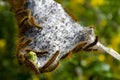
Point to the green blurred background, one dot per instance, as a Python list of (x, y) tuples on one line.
[(104, 15)]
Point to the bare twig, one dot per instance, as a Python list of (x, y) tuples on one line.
[(108, 50)]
